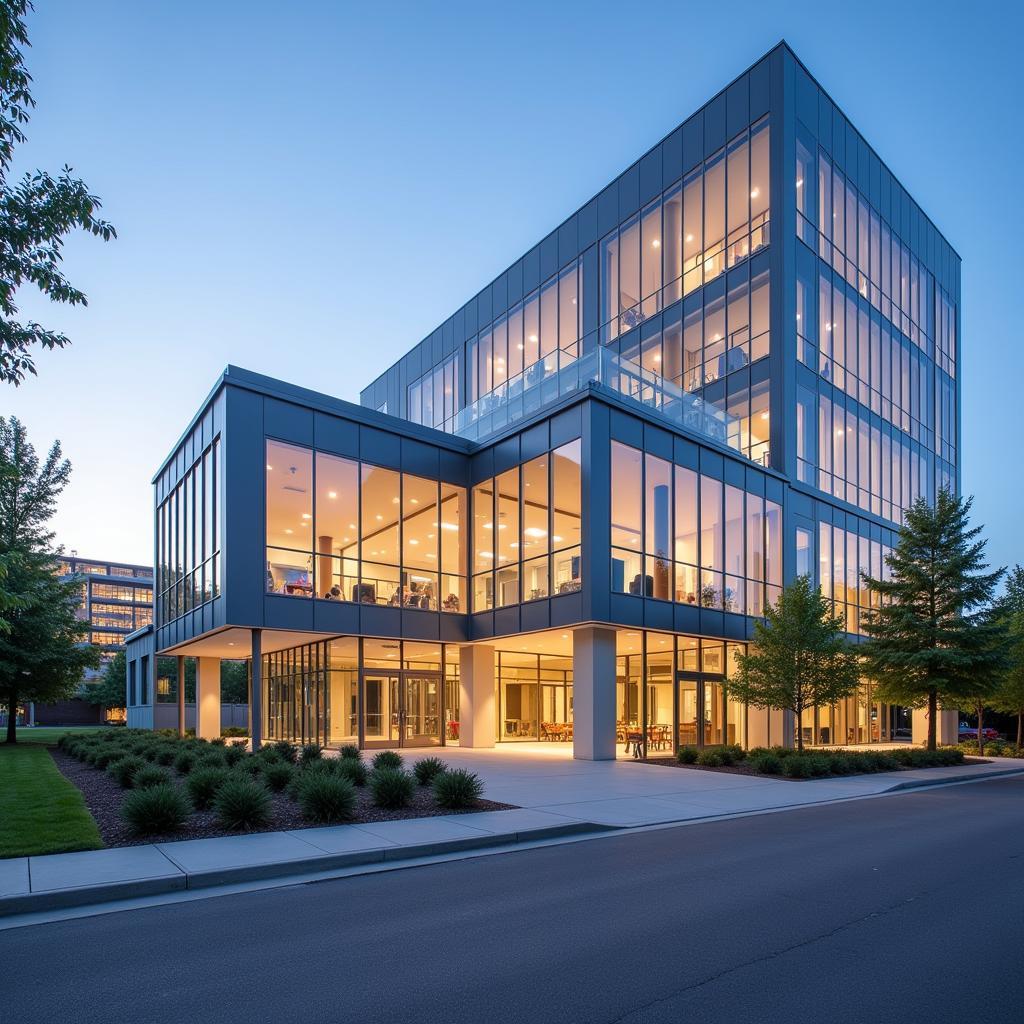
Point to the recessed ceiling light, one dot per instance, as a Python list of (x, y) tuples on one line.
[(306, 515), (655, 243), (754, 193), (289, 531), (689, 238), (269, 466), (332, 494)]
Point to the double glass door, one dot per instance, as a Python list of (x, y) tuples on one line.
[(402, 709)]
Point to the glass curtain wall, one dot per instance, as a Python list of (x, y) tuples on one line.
[(673, 690), (342, 530), (535, 696), (677, 535), (527, 530)]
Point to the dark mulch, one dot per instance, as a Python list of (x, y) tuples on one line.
[(103, 797), (745, 769)]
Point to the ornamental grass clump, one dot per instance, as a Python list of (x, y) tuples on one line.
[(184, 761), (428, 769), (387, 759), (203, 782), (151, 775), (353, 769), (351, 752), (242, 804), (166, 754), (234, 754), (123, 770), (310, 752), (392, 788), (457, 789), (277, 775), (286, 751), (326, 798), (156, 810), (687, 755)]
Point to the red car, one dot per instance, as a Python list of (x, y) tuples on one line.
[(970, 732)]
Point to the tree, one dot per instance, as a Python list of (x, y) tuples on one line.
[(42, 640), (931, 637), (234, 682), (109, 690), (1009, 696), (799, 657), (35, 213)]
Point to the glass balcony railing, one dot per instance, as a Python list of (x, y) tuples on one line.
[(561, 373)]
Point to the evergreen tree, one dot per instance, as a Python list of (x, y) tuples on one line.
[(932, 638), (799, 657), (36, 213), (1009, 697), (109, 691), (43, 648)]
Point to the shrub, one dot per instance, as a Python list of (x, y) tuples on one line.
[(123, 770), (217, 741), (184, 761), (326, 798), (242, 803), (840, 764), (710, 758), (155, 810), (427, 770), (278, 775), (736, 752), (818, 764), (234, 754), (285, 751), (391, 787), (796, 767), (351, 752), (203, 782), (234, 730), (352, 769), (687, 755), (766, 763), (254, 766), (102, 757), (310, 752), (151, 775), (387, 759), (457, 789)]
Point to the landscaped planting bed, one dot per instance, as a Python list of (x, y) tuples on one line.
[(786, 763), (143, 787)]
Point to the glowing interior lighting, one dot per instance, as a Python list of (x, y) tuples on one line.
[(289, 531), (764, 415), (449, 526), (380, 518), (754, 193), (534, 531), (332, 494), (306, 515), (269, 466), (799, 182), (689, 238), (655, 243), (533, 337), (412, 540)]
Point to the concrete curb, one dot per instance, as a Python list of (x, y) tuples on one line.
[(59, 899), (975, 776)]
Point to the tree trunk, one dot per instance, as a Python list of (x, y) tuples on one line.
[(981, 738), (933, 714), (1020, 728), (799, 730), (12, 708)]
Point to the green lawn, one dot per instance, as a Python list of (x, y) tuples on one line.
[(40, 811), (47, 734)]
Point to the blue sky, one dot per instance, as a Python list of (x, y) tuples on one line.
[(308, 189)]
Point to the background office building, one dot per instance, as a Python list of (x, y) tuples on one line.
[(557, 518)]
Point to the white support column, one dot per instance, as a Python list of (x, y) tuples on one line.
[(476, 696), (593, 696), (947, 728), (256, 692), (207, 698)]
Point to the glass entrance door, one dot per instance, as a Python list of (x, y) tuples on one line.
[(421, 711), (401, 709)]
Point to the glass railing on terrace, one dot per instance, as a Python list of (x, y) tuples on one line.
[(561, 373)]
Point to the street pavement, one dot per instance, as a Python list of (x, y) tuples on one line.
[(904, 908)]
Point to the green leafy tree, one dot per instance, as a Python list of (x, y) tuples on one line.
[(109, 690), (932, 638), (36, 212), (234, 682), (799, 657), (43, 652), (1009, 696)]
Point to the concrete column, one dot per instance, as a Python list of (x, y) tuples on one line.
[(476, 696), (256, 694), (947, 728), (208, 698), (181, 695), (593, 697)]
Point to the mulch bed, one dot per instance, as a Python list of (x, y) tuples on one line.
[(744, 769), (103, 797)]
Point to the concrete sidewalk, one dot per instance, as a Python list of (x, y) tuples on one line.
[(556, 797)]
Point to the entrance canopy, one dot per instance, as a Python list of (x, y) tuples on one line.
[(235, 643)]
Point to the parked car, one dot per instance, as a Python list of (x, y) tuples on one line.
[(970, 732)]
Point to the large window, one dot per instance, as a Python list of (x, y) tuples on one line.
[(701, 226), (680, 536), (527, 531), (342, 530), (188, 538)]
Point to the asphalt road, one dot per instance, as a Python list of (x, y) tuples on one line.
[(864, 912)]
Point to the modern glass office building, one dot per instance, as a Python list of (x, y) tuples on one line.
[(558, 516)]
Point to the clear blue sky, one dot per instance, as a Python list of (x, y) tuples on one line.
[(307, 189)]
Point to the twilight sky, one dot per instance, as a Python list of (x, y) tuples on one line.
[(308, 189)]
